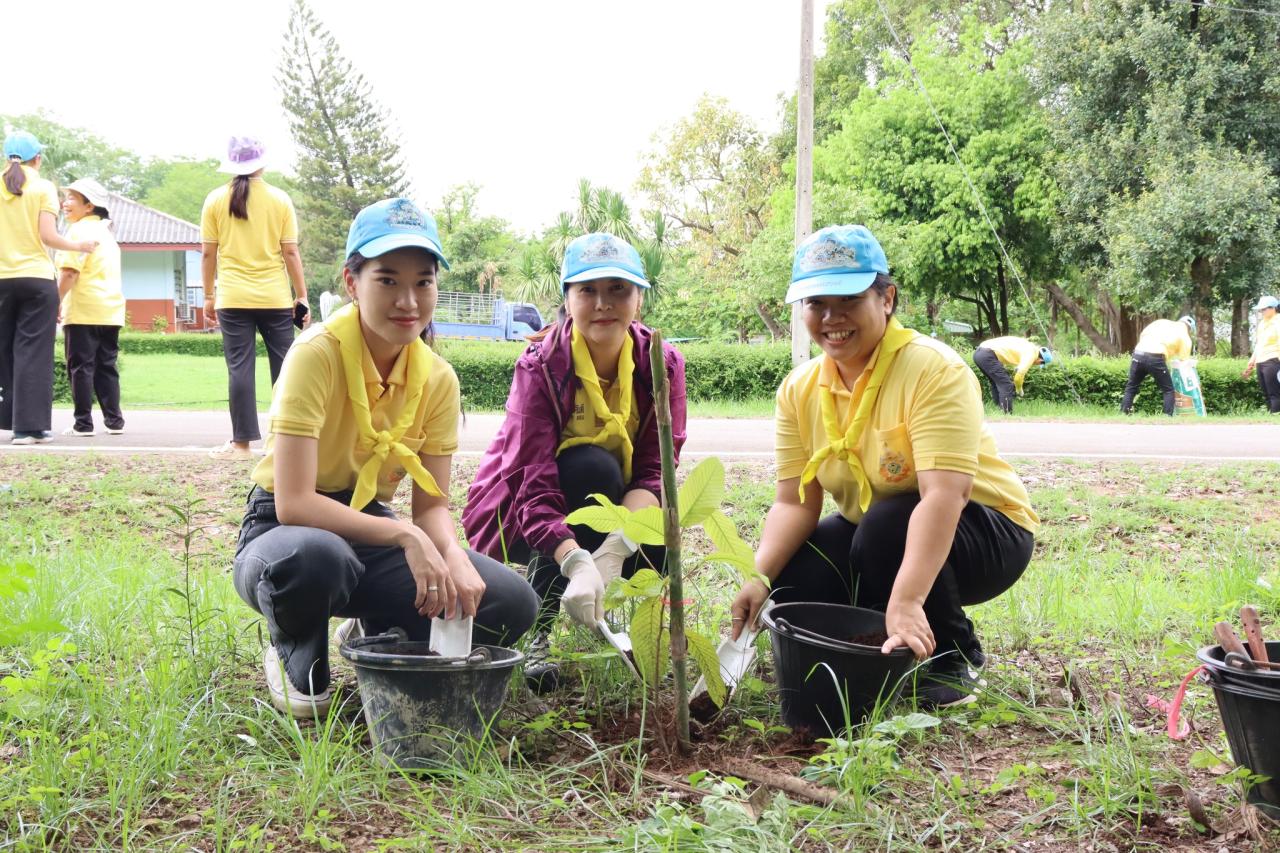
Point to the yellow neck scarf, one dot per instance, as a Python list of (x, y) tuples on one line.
[(345, 326), (615, 423), (843, 445)]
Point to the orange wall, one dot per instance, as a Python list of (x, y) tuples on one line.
[(143, 311)]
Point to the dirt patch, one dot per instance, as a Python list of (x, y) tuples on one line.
[(875, 639)]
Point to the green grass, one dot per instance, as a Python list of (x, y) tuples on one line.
[(188, 382), (154, 734), (1044, 410)]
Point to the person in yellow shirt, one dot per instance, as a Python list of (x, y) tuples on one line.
[(1161, 341), (1266, 352), (250, 236), (993, 356), (92, 309), (889, 423), (362, 403), (28, 291)]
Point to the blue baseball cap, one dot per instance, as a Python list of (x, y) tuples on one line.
[(390, 224), (1265, 302), (1046, 356), (22, 145), (598, 255), (839, 260)]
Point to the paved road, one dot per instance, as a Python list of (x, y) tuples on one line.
[(188, 432)]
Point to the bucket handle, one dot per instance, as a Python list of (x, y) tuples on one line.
[(392, 635), (1175, 707), (787, 628)]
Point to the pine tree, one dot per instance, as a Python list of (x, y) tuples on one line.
[(348, 155)]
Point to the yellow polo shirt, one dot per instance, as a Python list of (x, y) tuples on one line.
[(1267, 345), (585, 424), (97, 298), (928, 416), (1018, 353), (22, 255), (251, 271), (311, 400), (1169, 338)]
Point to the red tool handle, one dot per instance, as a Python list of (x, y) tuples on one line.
[(1227, 638), (1253, 633)]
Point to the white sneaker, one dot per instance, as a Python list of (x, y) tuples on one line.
[(28, 438), (285, 697), (73, 431), (230, 451), (349, 629), (115, 430)]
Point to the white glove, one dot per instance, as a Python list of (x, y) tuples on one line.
[(583, 599), (612, 553)]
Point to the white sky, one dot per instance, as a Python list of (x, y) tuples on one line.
[(523, 98)]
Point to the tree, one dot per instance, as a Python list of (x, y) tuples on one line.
[(349, 157), (73, 152), (713, 176), (927, 208), (480, 248), (178, 187), (1166, 144)]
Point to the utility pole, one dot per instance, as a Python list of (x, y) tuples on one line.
[(804, 168)]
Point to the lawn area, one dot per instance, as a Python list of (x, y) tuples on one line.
[(190, 382), (142, 723)]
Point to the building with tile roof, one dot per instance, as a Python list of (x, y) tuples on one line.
[(160, 266)]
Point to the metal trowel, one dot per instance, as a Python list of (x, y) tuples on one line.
[(451, 638), (735, 656), (620, 641)]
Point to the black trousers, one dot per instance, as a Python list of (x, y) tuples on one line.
[(299, 577), (584, 470), (91, 353), (239, 346), (847, 563), (28, 326), (1146, 364), (1269, 382), (1002, 390)]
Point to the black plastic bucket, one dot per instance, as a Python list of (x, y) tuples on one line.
[(1255, 679), (417, 704), (1251, 717), (821, 675)]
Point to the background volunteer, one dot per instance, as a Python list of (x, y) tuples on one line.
[(1161, 342), (92, 312), (250, 235), (28, 291), (889, 423), (361, 402), (993, 356), (580, 420), (1266, 352)]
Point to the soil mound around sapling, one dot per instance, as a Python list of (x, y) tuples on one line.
[(702, 708)]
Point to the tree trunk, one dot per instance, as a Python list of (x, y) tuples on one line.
[(1059, 296), (771, 324), (1003, 286), (1239, 327), (1202, 275), (931, 311)]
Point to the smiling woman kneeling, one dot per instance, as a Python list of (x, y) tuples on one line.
[(361, 401), (889, 423)]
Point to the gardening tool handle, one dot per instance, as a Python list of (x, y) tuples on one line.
[(1244, 662), (787, 628), (1226, 636), (1253, 633)]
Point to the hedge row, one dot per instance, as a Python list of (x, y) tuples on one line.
[(734, 372)]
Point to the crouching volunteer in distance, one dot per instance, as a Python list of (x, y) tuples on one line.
[(361, 401), (994, 356), (1161, 342), (580, 420), (889, 423)]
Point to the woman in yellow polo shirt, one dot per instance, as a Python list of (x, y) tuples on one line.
[(250, 235), (1019, 354), (889, 423), (1266, 352), (28, 291), (92, 309), (361, 401)]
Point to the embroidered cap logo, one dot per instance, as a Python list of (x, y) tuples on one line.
[(402, 214), (829, 254), (602, 249)]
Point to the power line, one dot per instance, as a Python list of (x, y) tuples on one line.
[(977, 196)]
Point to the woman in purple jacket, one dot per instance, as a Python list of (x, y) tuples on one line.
[(580, 421)]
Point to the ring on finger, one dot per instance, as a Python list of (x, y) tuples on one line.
[(433, 589)]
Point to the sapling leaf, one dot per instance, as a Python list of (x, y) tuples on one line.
[(704, 653), (605, 518), (702, 492), (645, 583), (646, 631), (644, 526), (729, 545)]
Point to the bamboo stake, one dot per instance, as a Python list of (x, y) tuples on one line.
[(671, 534)]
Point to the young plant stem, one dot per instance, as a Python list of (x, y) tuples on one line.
[(671, 534)]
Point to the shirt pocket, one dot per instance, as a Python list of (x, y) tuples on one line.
[(895, 468)]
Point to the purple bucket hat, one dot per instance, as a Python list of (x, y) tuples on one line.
[(245, 155)]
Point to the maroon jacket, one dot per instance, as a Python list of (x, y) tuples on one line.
[(516, 495)]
